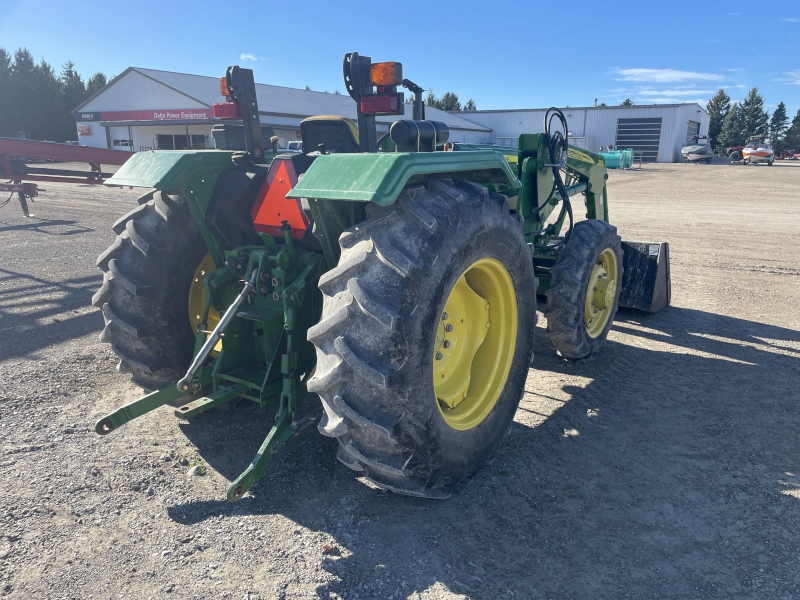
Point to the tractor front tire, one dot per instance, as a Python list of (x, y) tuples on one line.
[(147, 273), (583, 296), (385, 359)]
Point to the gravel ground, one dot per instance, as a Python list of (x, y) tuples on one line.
[(669, 466)]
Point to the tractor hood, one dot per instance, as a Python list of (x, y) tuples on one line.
[(380, 178)]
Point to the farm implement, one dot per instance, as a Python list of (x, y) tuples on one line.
[(21, 164)]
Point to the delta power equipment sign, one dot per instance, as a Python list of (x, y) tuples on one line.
[(172, 114)]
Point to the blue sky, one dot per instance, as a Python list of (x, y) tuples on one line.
[(501, 54)]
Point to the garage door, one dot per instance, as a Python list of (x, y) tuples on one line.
[(692, 131), (643, 135)]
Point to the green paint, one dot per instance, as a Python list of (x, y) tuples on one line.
[(189, 174), (144, 405), (380, 178), (201, 405)]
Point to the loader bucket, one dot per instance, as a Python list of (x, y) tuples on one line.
[(645, 280)]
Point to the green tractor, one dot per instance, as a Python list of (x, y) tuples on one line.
[(394, 277)]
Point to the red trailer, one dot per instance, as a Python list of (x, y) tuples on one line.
[(21, 163)]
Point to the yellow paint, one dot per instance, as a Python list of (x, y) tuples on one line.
[(601, 292), (349, 122), (197, 300), (475, 344), (576, 154)]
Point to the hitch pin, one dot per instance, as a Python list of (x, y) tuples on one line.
[(188, 381)]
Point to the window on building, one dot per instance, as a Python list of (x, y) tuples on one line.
[(164, 142), (179, 142), (122, 143)]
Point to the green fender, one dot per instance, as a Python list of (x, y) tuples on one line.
[(171, 170), (191, 173), (380, 178)]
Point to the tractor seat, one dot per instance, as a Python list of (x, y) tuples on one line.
[(339, 134)]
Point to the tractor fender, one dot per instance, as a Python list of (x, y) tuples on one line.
[(171, 170), (380, 178)]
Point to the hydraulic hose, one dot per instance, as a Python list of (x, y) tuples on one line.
[(557, 150)]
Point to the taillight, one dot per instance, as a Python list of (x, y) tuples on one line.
[(227, 110), (379, 103), (272, 207), (224, 89)]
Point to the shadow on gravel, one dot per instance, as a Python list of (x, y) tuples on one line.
[(52, 311), (664, 472), (43, 226)]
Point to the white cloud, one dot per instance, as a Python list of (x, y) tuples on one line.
[(248, 57), (794, 77), (791, 20), (678, 92), (665, 75)]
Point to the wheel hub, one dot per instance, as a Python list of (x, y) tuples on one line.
[(472, 358), (602, 290), (197, 300)]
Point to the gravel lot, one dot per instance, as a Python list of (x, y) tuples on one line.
[(669, 466)]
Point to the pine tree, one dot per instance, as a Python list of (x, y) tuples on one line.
[(627, 102), (96, 83), (755, 117), (733, 127), (792, 138), (449, 102), (432, 100), (5, 93), (35, 101), (73, 91), (470, 105), (777, 127), (717, 108)]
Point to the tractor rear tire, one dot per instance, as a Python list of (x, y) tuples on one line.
[(571, 277), (379, 338), (147, 272)]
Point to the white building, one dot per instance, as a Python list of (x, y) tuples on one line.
[(142, 109), (657, 132)]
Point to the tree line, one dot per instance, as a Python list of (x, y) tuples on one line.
[(449, 101), (734, 123), (36, 101)]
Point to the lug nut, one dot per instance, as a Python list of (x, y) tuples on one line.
[(446, 343), (448, 327), (444, 316), (439, 356)]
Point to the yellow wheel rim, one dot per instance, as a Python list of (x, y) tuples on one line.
[(601, 292), (476, 337), (197, 300)]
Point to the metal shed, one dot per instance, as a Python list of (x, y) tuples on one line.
[(656, 132)]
